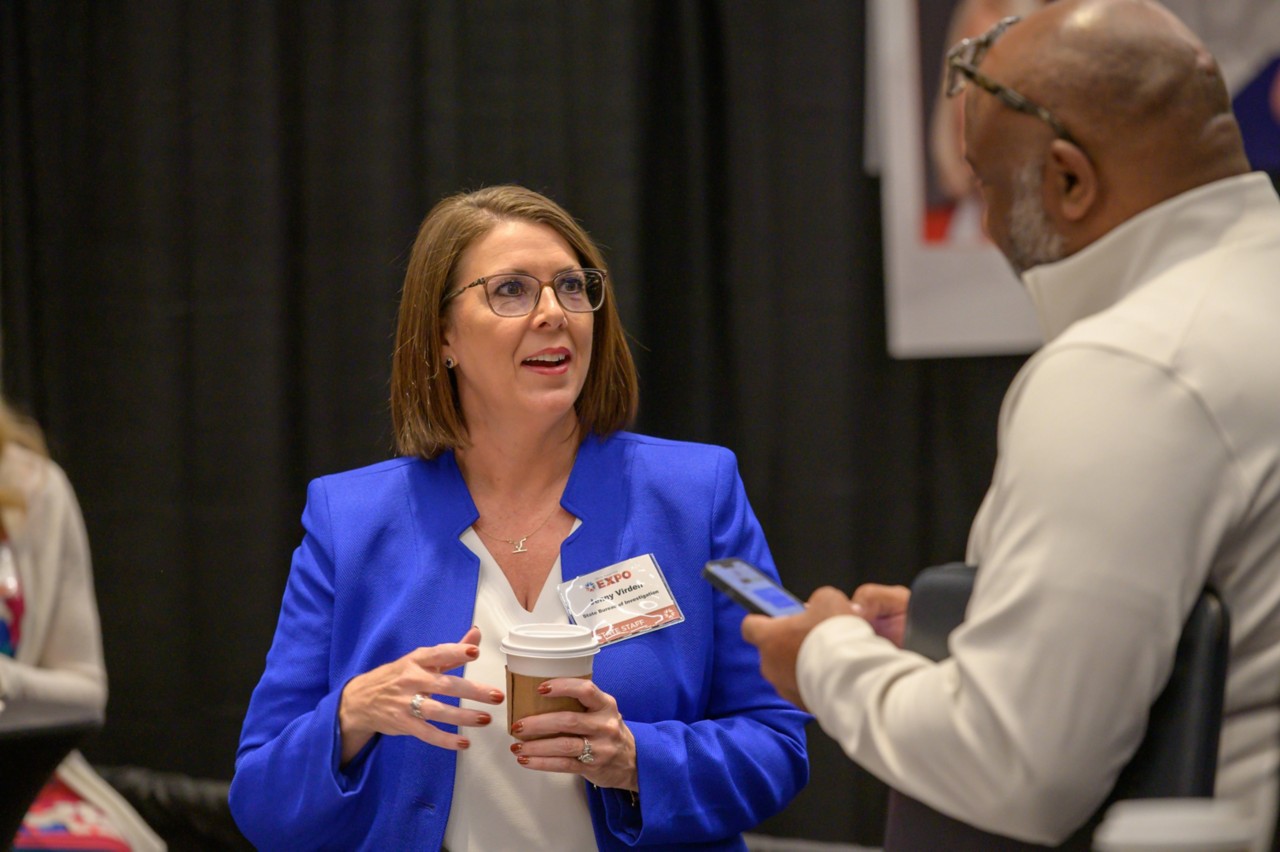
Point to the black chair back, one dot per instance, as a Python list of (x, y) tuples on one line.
[(1178, 756), (34, 738)]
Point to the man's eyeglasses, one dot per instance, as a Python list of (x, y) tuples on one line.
[(962, 67), (514, 294)]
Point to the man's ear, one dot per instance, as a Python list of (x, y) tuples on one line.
[(1071, 182)]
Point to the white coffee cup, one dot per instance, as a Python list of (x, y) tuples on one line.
[(539, 652), (1174, 825)]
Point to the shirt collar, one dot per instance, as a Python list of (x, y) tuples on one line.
[(1104, 272)]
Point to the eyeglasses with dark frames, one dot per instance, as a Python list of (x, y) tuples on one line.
[(516, 294), (962, 68)]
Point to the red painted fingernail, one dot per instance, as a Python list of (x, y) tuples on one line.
[(543, 689), (522, 760), (495, 697), (464, 743), (516, 747), (517, 727), (473, 652), (483, 719)]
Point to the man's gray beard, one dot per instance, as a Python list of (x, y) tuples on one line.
[(1032, 240)]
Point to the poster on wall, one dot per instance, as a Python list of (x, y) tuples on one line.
[(949, 292)]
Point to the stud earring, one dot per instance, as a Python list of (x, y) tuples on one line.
[(449, 363)]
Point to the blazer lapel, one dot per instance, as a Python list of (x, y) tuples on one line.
[(442, 509), (597, 494)]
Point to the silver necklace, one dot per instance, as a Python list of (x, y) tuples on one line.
[(517, 544)]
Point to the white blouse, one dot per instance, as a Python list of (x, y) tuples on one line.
[(497, 803)]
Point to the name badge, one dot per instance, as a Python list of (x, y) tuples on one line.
[(621, 601)]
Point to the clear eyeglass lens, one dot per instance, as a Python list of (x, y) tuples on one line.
[(970, 54), (580, 290), (512, 295), (977, 52), (960, 55)]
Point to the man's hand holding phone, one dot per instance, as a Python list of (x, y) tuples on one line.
[(780, 622), (779, 638)]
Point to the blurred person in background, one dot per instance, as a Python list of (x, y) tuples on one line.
[(50, 644)]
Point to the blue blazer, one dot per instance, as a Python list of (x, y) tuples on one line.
[(381, 571)]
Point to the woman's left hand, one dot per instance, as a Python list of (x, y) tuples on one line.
[(612, 750)]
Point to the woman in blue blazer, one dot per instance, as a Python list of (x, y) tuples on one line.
[(372, 726)]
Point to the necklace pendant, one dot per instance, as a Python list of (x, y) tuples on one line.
[(520, 548)]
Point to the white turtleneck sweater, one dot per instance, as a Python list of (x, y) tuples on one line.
[(1138, 459)]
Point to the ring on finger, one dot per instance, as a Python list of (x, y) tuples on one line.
[(586, 756), (415, 704)]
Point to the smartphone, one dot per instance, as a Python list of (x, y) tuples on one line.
[(751, 587)]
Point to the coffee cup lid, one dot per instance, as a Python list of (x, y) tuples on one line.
[(550, 641)]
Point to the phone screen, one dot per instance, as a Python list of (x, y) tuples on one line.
[(751, 587)]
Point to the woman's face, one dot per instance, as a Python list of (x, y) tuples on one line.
[(517, 370)]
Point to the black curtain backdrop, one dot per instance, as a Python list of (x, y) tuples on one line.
[(207, 208)]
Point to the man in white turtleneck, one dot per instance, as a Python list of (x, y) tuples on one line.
[(1138, 452)]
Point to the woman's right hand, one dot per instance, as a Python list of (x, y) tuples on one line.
[(381, 701)]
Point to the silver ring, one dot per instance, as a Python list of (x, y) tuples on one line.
[(586, 756), (415, 704)]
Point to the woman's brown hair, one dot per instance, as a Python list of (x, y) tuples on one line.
[(16, 429), (424, 400)]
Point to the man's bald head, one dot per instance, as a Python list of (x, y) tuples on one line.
[(1142, 99)]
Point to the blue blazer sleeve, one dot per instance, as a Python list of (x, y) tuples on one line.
[(288, 791), (708, 779)]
